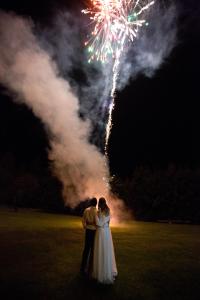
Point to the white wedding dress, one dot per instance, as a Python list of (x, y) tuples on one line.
[(104, 264)]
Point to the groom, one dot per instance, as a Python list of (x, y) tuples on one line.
[(89, 224)]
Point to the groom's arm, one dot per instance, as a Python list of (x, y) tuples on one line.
[(84, 222)]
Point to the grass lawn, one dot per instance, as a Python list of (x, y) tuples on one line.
[(40, 257)]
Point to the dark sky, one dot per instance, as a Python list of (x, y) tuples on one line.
[(156, 121)]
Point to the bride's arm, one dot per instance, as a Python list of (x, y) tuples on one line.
[(101, 221)]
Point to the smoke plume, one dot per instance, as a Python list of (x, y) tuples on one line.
[(29, 72)]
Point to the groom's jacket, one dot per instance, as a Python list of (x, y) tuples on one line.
[(89, 218)]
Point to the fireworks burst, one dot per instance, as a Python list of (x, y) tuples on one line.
[(115, 23)]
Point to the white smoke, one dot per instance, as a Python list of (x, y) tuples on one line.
[(28, 71), (153, 45)]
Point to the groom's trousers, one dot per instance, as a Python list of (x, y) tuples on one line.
[(88, 250)]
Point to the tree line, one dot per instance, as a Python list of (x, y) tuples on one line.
[(169, 194), (165, 194)]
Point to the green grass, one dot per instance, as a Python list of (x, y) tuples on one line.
[(40, 257)]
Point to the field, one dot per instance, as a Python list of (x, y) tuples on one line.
[(40, 257)]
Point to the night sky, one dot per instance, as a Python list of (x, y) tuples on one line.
[(155, 122)]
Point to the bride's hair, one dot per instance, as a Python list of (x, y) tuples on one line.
[(103, 206)]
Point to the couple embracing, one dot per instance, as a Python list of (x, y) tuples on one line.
[(98, 259)]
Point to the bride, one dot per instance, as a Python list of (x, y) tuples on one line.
[(104, 264)]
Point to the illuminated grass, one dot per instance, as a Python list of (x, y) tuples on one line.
[(40, 257)]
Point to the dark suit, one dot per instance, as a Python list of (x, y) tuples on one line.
[(90, 230)]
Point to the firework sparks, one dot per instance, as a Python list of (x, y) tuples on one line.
[(115, 23)]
